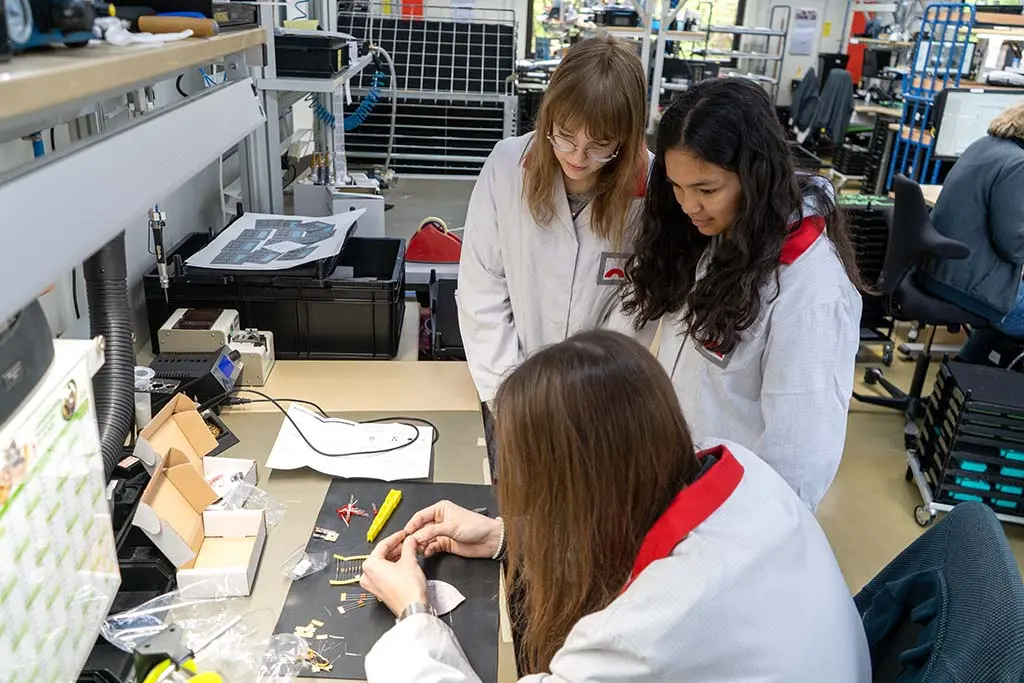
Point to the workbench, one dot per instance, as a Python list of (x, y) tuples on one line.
[(44, 80), (439, 391)]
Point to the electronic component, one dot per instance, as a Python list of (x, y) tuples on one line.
[(198, 330), (203, 376), (323, 534), (391, 502), (256, 348), (157, 223), (40, 23), (347, 570)]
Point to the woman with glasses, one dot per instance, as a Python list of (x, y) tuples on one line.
[(754, 273), (547, 231)]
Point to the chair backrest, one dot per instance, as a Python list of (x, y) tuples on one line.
[(907, 234), (912, 237), (950, 607)]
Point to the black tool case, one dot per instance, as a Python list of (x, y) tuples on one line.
[(309, 55), (346, 307)]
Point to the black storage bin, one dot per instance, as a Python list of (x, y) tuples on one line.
[(348, 307), (310, 55), (971, 445)]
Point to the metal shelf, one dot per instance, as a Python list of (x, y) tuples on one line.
[(55, 79), (149, 157), (747, 30), (321, 85), (637, 32), (736, 54)]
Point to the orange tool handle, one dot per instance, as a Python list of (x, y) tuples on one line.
[(203, 28)]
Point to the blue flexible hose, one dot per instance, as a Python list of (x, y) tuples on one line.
[(320, 111), (362, 112)]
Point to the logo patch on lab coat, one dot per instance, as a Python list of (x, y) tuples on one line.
[(719, 359), (613, 268)]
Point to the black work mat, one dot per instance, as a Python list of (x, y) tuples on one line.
[(475, 621)]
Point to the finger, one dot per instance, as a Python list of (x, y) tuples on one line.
[(433, 531), (434, 548), (424, 517), (388, 548), (409, 550)]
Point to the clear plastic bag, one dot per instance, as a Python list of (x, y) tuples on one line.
[(227, 638), (301, 564), (245, 496)]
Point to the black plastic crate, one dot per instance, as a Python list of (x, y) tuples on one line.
[(310, 55), (349, 307), (971, 445), (142, 579)]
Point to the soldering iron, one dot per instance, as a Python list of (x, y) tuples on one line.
[(157, 223)]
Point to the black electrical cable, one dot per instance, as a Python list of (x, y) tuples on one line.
[(74, 288), (177, 85), (264, 398), (244, 401)]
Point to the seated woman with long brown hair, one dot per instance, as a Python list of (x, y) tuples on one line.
[(642, 558)]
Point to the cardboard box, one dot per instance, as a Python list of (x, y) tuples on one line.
[(215, 550), (177, 425)]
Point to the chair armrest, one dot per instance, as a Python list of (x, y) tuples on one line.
[(937, 246)]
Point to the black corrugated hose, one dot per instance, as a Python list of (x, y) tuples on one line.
[(106, 288)]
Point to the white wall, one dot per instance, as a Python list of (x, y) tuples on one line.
[(795, 66), (193, 207)]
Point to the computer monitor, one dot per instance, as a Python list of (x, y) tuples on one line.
[(962, 115)]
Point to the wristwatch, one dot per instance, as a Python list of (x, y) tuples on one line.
[(416, 608)]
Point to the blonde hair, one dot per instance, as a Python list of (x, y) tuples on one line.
[(1010, 123), (598, 88)]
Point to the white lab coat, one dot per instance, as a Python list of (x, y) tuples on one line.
[(752, 594), (523, 286), (784, 391)]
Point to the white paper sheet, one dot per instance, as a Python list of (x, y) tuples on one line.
[(443, 597), (259, 241), (411, 460)]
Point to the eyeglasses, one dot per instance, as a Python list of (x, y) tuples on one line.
[(597, 155)]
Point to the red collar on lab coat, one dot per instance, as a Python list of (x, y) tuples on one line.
[(690, 508), (801, 239)]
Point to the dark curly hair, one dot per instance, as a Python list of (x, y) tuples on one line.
[(731, 123)]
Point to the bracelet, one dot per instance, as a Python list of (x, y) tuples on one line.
[(416, 608), (500, 552)]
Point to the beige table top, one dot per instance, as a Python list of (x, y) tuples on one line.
[(400, 386), (441, 392), (877, 109), (459, 457), (930, 192), (62, 76)]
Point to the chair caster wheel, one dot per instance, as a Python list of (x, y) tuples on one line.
[(923, 517), (887, 355), (872, 375)]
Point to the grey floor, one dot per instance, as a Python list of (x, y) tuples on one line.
[(416, 199)]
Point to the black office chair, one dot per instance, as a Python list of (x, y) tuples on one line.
[(950, 607), (913, 240)]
